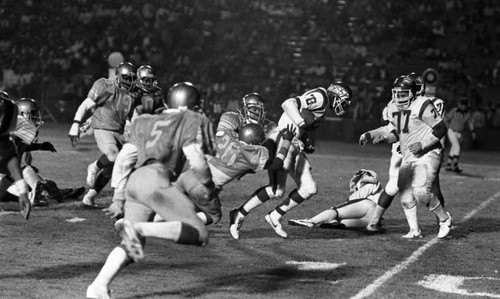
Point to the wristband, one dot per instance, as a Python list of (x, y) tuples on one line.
[(302, 123), (21, 187), (119, 195), (76, 121)]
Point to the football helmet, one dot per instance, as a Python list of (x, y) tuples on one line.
[(403, 92), (184, 96), (8, 113), (252, 108), (28, 108), (419, 82), (252, 134), (146, 78), (340, 95), (125, 75), (361, 178)]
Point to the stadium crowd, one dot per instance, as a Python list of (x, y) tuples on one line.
[(228, 47)]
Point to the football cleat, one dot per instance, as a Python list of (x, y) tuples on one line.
[(301, 222), (94, 292), (72, 192), (92, 171), (89, 199), (276, 225), (235, 223), (413, 234), (445, 227), (130, 237)]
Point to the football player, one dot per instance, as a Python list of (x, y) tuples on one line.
[(25, 137), (337, 96), (151, 94), (391, 188), (9, 159), (365, 190), (418, 126), (162, 144), (113, 102)]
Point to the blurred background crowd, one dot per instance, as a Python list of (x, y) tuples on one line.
[(54, 50)]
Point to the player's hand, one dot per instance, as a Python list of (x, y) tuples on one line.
[(289, 132), (115, 210), (378, 139), (415, 148), (47, 146), (74, 133), (364, 139), (24, 205), (276, 165)]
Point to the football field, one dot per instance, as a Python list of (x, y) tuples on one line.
[(60, 250)]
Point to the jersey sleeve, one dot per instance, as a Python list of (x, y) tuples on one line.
[(25, 130), (430, 115), (256, 155), (313, 100), (229, 121), (100, 91)]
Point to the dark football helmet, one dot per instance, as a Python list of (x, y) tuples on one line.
[(252, 108), (183, 96), (8, 113), (419, 83), (125, 75), (340, 95), (404, 91), (28, 108), (252, 134), (361, 178), (146, 78)]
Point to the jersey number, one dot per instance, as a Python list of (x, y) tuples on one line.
[(402, 119), (157, 131), (226, 150)]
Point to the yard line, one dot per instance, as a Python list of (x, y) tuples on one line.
[(370, 289)]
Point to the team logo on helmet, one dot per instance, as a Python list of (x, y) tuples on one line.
[(340, 95)]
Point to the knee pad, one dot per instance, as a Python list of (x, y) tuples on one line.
[(308, 189), (191, 236), (392, 188)]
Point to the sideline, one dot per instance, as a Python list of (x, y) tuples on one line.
[(370, 289)]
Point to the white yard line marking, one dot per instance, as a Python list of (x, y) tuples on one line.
[(455, 284), (308, 266), (370, 289)]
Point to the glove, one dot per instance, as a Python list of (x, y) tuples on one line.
[(74, 133), (47, 146), (309, 148), (288, 133), (364, 139), (276, 165)]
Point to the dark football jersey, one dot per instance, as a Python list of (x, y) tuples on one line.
[(113, 105), (151, 101), (233, 121), (7, 150), (161, 137)]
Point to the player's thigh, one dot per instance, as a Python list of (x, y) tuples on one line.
[(202, 197), (303, 172), (425, 170), (108, 142), (356, 209)]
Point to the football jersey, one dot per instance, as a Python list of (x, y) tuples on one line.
[(151, 101), (7, 151), (315, 100), (368, 191), (396, 149), (161, 137), (25, 130), (413, 124), (234, 159), (113, 105)]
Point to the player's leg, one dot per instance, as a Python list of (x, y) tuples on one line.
[(454, 153), (307, 187), (276, 188), (207, 203), (408, 201), (387, 196)]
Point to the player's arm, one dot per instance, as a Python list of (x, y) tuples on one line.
[(15, 171), (197, 160), (123, 167), (283, 141), (381, 134), (291, 108), (431, 117), (82, 110), (44, 146)]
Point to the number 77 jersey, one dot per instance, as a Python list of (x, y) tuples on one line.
[(413, 124)]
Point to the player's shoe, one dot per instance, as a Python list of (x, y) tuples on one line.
[(301, 222), (235, 223), (276, 225), (119, 224), (374, 227), (130, 237), (88, 200), (445, 227), (458, 169), (92, 171), (413, 234), (332, 225), (72, 192), (94, 292)]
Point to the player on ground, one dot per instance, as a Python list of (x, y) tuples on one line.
[(391, 188), (162, 143), (365, 190), (419, 128), (303, 114), (8, 155), (112, 102)]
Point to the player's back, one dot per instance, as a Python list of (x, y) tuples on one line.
[(161, 137)]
